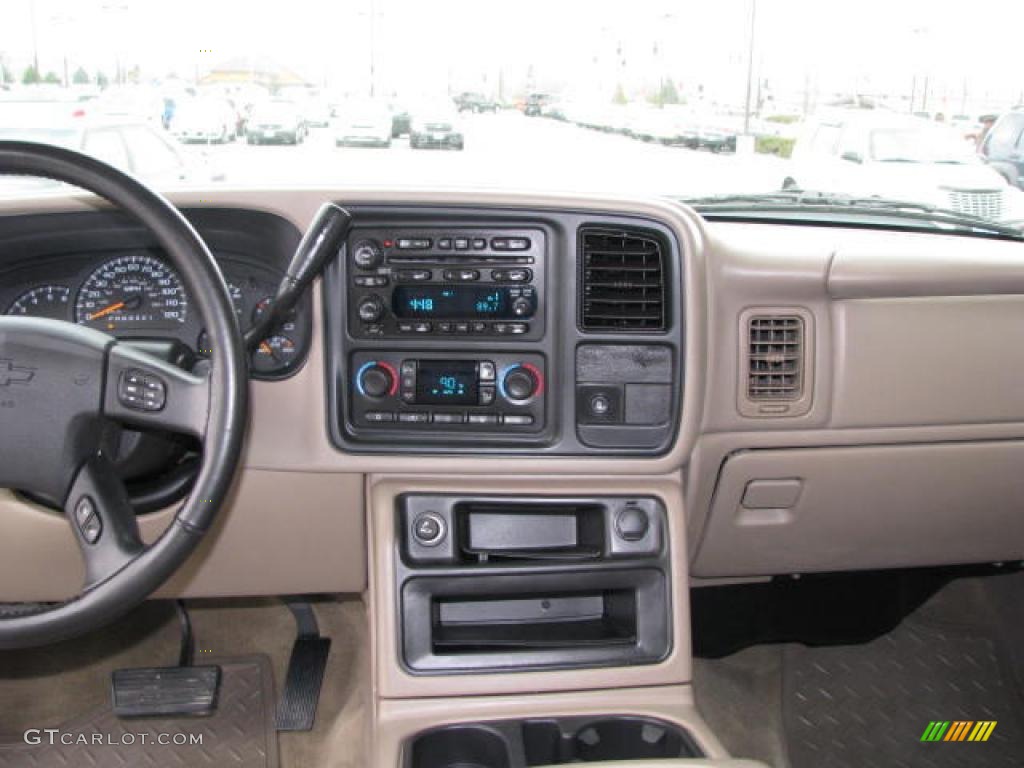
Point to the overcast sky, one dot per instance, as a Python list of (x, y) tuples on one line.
[(869, 45)]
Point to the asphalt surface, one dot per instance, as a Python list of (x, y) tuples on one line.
[(505, 151)]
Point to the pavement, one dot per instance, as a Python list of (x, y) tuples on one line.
[(508, 151)]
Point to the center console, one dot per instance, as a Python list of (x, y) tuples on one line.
[(462, 331)]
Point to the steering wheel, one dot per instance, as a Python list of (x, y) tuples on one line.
[(67, 391)]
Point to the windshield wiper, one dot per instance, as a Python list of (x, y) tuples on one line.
[(796, 200)]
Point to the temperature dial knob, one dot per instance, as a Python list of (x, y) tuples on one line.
[(370, 309), (376, 380), (520, 383), (367, 254)]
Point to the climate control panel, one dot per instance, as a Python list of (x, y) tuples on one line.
[(489, 393)]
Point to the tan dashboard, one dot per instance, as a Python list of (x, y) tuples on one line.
[(901, 448)]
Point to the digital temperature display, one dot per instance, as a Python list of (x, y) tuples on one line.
[(446, 302), (446, 382)]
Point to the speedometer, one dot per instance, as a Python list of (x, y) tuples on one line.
[(132, 292)]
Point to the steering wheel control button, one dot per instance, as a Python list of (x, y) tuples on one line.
[(142, 391), (88, 520), (428, 529), (631, 524)]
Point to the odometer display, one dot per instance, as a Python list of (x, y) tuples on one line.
[(132, 292)]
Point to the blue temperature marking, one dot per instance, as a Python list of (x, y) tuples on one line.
[(359, 376)]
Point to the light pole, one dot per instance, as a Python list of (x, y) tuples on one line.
[(750, 67)]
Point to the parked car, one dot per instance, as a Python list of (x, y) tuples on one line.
[(275, 122), (867, 154), (135, 147), (1003, 147), (436, 129), (534, 105), (400, 120), (204, 120), (471, 101), (367, 123)]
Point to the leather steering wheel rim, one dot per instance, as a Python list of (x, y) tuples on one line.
[(219, 422)]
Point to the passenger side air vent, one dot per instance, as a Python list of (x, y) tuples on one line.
[(622, 281), (776, 380)]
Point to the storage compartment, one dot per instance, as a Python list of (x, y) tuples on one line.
[(552, 621), (831, 509), (549, 741), (460, 746), (536, 620)]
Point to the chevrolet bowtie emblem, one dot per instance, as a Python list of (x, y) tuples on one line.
[(14, 374)]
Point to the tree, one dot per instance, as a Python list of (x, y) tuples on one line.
[(668, 93), (30, 76), (81, 77), (51, 78), (102, 80), (620, 95), (6, 76)]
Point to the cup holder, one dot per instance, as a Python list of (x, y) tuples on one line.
[(460, 746), (628, 738)]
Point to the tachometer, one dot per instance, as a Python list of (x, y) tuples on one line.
[(132, 292), (49, 301)]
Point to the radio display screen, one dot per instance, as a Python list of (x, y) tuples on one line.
[(446, 301), (446, 382)]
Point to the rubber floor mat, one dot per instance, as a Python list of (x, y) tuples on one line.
[(240, 733), (868, 705)]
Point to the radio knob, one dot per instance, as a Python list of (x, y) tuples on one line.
[(519, 384), (522, 307), (370, 309), (367, 254), (376, 381)]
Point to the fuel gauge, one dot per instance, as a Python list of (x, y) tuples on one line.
[(275, 354)]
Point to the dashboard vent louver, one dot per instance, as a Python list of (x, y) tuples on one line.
[(776, 357), (622, 281)]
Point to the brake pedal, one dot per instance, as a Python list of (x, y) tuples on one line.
[(296, 711), (181, 691)]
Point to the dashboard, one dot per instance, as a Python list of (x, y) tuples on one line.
[(108, 279), (891, 405)]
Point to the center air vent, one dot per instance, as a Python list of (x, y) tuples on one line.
[(776, 357), (622, 281)]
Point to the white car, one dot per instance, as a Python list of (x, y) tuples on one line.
[(206, 120), (363, 124), (899, 157)]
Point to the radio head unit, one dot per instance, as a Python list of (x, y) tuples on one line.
[(404, 283)]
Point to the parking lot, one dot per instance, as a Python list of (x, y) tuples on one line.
[(506, 150)]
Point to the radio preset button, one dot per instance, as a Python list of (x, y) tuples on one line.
[(378, 417), (422, 327), (462, 327), (479, 243), (517, 419), (415, 275), (483, 418), (500, 328), (517, 329), (444, 327), (449, 418), (461, 275), (479, 327), (371, 281), (414, 417), (510, 243), (405, 327), (413, 243), (461, 243), (444, 244)]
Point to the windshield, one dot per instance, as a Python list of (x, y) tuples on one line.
[(656, 97), (919, 146)]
